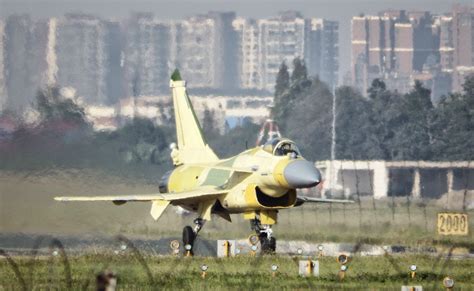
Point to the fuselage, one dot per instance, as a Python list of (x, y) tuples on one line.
[(264, 177)]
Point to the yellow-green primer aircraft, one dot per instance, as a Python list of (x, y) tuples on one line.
[(257, 182)]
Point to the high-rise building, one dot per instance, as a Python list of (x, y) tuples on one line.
[(446, 46), (38, 55), (249, 54), (456, 45), (373, 48), (282, 40), (394, 46), (265, 43), (203, 47), (115, 60), (17, 52), (81, 56), (425, 40), (463, 44), (197, 51), (376, 44), (401, 47), (207, 52), (78, 51), (359, 52), (148, 57), (3, 89), (322, 50), (404, 48), (226, 48)]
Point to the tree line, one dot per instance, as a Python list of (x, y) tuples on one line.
[(63, 137), (384, 125)]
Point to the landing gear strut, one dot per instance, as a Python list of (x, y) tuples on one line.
[(190, 234), (264, 232)]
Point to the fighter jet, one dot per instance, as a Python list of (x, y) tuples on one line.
[(257, 183)]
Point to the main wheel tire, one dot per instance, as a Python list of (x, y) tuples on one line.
[(188, 236)]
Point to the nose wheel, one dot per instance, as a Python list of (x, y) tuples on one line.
[(265, 235), (268, 244)]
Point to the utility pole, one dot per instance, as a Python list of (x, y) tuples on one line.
[(333, 141)]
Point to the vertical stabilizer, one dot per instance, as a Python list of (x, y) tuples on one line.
[(192, 146)]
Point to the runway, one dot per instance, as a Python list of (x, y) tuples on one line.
[(20, 244)]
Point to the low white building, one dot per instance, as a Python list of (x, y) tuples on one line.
[(103, 118), (158, 109), (381, 179)]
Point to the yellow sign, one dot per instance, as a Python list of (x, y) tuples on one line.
[(451, 223)]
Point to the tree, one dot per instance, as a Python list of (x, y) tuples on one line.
[(53, 107), (282, 84), (454, 125), (377, 88), (235, 140), (142, 130), (468, 88), (355, 134), (282, 94), (299, 77), (384, 117), (414, 135), (300, 73), (309, 121), (209, 124), (286, 93), (141, 139)]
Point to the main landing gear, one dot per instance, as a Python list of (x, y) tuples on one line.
[(264, 232), (190, 234)]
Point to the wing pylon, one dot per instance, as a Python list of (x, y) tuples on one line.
[(305, 199)]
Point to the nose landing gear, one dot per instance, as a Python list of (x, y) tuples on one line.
[(265, 235)]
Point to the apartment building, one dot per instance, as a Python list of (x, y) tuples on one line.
[(401, 47), (265, 43), (81, 56), (3, 89)]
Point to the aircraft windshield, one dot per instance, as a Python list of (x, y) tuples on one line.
[(285, 148), (280, 147)]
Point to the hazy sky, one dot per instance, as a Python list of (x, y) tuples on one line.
[(340, 10)]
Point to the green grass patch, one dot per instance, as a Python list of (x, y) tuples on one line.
[(243, 273)]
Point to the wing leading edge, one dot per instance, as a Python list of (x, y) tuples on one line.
[(198, 193), (159, 200), (305, 199)]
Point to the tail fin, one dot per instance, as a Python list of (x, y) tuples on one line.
[(192, 147)]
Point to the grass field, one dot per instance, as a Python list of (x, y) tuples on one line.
[(243, 273)]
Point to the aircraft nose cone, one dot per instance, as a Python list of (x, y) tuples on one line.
[(301, 174)]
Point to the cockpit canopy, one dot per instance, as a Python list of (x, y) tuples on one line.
[(281, 147)]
